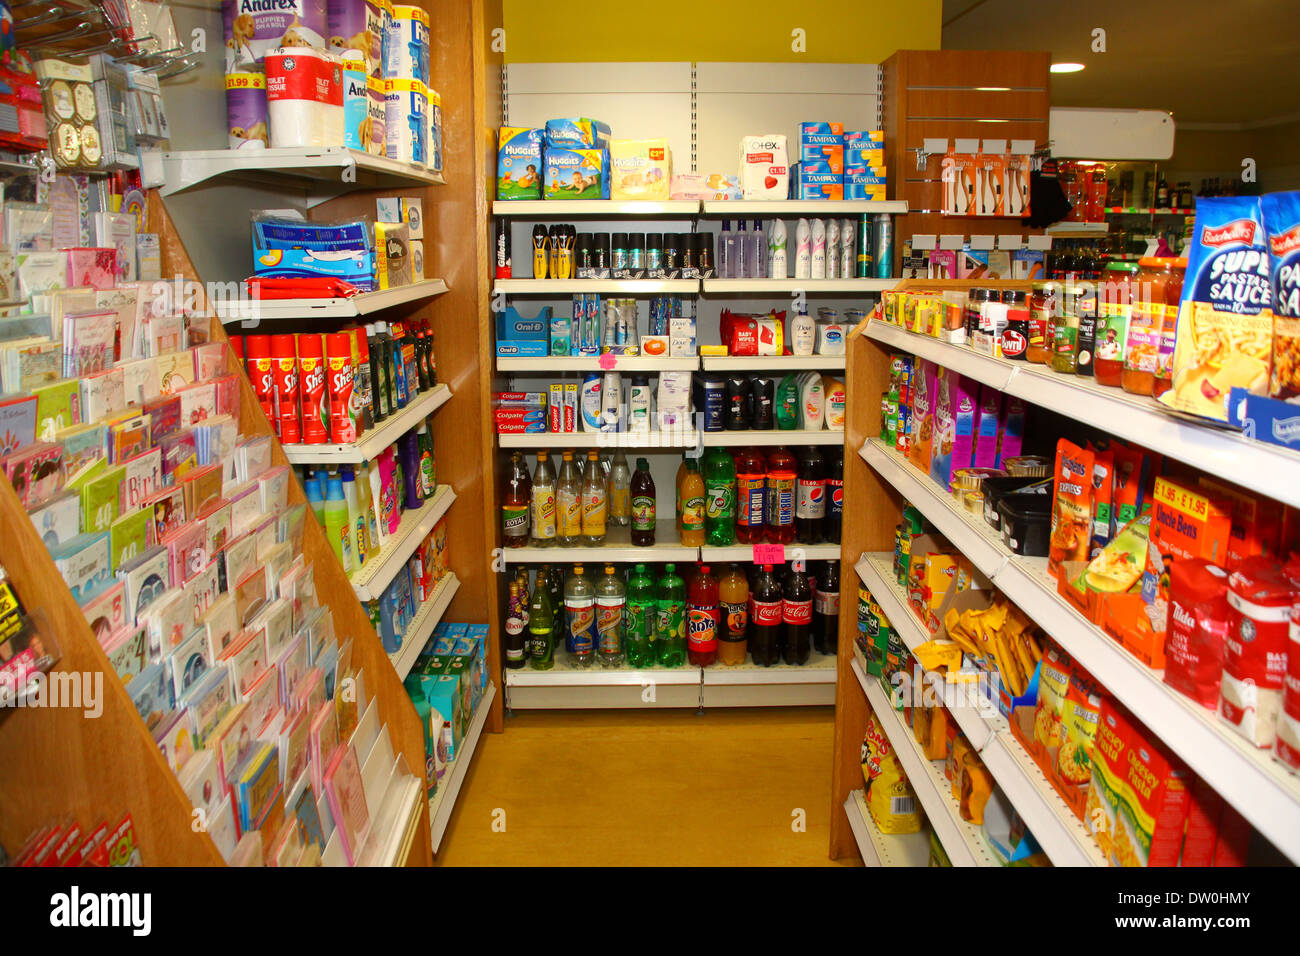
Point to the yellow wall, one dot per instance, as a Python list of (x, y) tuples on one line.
[(836, 31)]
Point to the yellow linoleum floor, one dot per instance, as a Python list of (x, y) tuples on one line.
[(646, 788)]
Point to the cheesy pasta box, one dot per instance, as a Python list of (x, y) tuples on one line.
[(1153, 818), (1225, 313), (1108, 791)]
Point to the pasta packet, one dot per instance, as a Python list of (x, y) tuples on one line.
[(1282, 217), (1225, 317), (1071, 506)]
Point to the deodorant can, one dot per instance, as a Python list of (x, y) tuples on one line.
[(863, 268), (882, 244)]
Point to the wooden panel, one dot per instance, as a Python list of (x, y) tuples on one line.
[(335, 590), (946, 104), (972, 68), (60, 764)]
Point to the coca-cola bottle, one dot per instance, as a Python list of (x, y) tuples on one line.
[(810, 497), (826, 609), (796, 617), (765, 627)]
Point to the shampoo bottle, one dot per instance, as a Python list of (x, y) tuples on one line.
[(589, 403), (776, 237), (818, 250), (611, 398), (802, 250)]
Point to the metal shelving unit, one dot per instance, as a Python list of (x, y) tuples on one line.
[(364, 303), (618, 548), (791, 436), (598, 363), (595, 208), (561, 287)]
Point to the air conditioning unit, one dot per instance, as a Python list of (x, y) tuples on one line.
[(1111, 134)]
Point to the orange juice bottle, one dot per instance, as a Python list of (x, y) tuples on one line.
[(692, 511), (677, 482)]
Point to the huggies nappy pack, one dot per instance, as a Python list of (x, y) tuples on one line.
[(519, 163), (576, 173)]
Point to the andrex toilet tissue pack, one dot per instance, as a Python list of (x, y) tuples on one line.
[(304, 97)]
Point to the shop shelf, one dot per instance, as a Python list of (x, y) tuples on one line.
[(376, 439), (598, 363), (1139, 211), (421, 627), (618, 547), (810, 286), (879, 849), (1224, 452), (370, 580), (676, 438), (794, 436), (187, 168), (558, 287), (1067, 230), (773, 363), (794, 551), (444, 799), (747, 208), (962, 841), (595, 208), (1248, 778), (782, 685), (566, 687), (256, 310)]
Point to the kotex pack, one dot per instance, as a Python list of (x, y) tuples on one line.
[(519, 163), (640, 169), (764, 167)]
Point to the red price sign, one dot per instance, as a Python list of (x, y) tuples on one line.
[(769, 554)]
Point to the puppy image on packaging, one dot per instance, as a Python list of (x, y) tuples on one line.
[(253, 28)]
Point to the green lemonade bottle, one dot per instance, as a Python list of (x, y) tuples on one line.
[(670, 619), (640, 611)]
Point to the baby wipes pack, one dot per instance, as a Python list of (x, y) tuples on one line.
[(764, 167), (640, 169), (519, 163)]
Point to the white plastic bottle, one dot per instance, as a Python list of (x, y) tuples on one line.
[(832, 248), (803, 333), (818, 250), (776, 240), (611, 401), (802, 250), (589, 405)]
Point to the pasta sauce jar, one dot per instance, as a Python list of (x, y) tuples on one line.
[(1040, 305), (1114, 303), (1174, 272), (1147, 319)]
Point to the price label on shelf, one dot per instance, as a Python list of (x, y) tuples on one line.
[(607, 361), (769, 554)]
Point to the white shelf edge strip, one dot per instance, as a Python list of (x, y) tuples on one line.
[(421, 627), (377, 438), (378, 570)]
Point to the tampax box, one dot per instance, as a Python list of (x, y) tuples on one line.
[(867, 154), (829, 153), (864, 182), (519, 163), (818, 133), (817, 180)]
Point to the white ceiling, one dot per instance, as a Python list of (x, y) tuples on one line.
[(1232, 62)]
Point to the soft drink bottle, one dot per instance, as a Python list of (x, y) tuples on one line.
[(580, 616), (796, 617), (781, 476), (595, 501), (733, 593), (611, 600), (751, 495), (834, 494), (670, 619), (810, 501), (541, 625), (620, 491), (703, 615), (826, 609), (555, 592), (543, 530), (677, 483), (516, 504), (692, 505), (765, 618), (643, 505), (568, 503), (719, 473), (640, 611)]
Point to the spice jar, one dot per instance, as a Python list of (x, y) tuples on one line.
[(1112, 322), (1084, 305), (1174, 272), (1146, 325), (1065, 332), (975, 298), (1036, 349)]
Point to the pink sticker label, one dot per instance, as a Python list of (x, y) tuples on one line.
[(607, 361), (769, 554)]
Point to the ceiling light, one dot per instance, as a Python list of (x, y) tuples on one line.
[(1066, 67), (993, 89)]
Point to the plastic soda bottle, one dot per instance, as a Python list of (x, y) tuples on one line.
[(765, 625), (541, 626), (751, 495), (692, 505), (611, 600), (733, 595), (703, 615), (580, 616), (639, 631), (620, 491), (719, 473), (670, 619), (543, 530), (595, 501), (780, 495), (568, 503), (643, 505)]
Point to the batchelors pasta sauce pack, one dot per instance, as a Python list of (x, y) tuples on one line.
[(1225, 318), (1282, 216)]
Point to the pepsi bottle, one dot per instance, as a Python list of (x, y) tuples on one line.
[(810, 496), (826, 609), (834, 495)]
